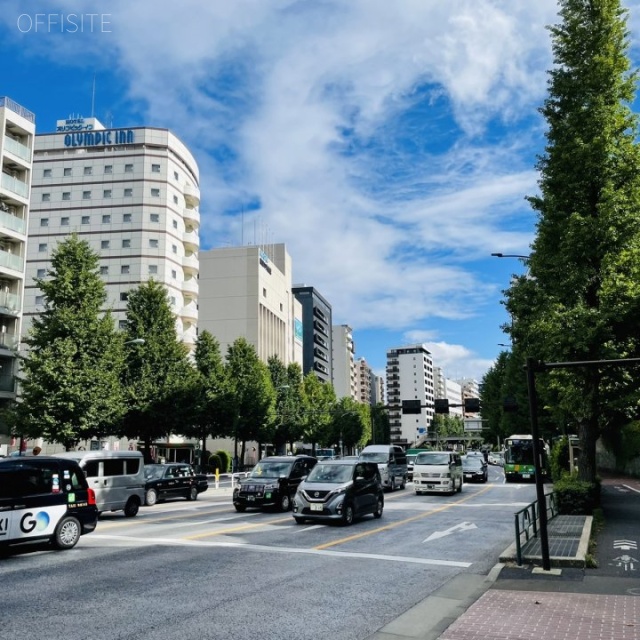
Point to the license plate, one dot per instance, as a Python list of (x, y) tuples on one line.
[(267, 495), (315, 507), (429, 486), (251, 498), (526, 475), (468, 475)]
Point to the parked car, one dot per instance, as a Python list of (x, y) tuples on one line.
[(172, 480), (496, 458), (474, 469), (339, 490), (272, 482)]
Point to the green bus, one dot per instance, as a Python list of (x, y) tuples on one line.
[(519, 460)]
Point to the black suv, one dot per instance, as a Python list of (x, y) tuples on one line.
[(173, 480), (340, 490), (272, 482)]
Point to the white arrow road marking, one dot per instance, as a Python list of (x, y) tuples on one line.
[(464, 526)]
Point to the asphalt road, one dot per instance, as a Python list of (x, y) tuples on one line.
[(185, 570)]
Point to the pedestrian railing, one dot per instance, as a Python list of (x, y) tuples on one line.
[(527, 519)]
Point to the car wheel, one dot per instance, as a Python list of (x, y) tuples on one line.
[(404, 483), (380, 506), (240, 508), (392, 485), (131, 508), (347, 515), (193, 493), (299, 520), (285, 502), (151, 497), (67, 533)]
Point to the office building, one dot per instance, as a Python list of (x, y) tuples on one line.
[(344, 367)]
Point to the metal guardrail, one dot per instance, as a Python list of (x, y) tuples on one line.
[(526, 522)]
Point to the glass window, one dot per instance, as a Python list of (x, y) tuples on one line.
[(124, 296), (128, 168), (174, 248), (128, 193), (64, 221), (175, 199), (126, 217), (126, 243), (85, 219), (106, 193), (91, 469), (153, 243), (46, 197), (39, 300), (44, 222), (67, 171), (122, 324), (88, 171), (174, 274), (175, 175), (155, 168), (46, 173), (155, 193), (104, 244), (124, 268), (155, 217), (86, 195), (106, 218), (41, 273), (66, 195), (108, 168), (113, 467), (42, 246), (153, 268), (104, 271), (175, 224)]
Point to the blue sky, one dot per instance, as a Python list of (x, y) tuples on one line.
[(390, 145)]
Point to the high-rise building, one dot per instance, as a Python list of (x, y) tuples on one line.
[(409, 377), (377, 390), (246, 292), (448, 389), (16, 151), (344, 368), (363, 381), (133, 195), (316, 331)]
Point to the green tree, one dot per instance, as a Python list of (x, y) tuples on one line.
[(581, 298), (287, 383), (158, 375), (320, 401), (250, 399), (350, 424), (380, 431), (70, 387)]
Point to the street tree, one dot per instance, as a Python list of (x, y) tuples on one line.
[(158, 375), (289, 417), (580, 299), (320, 401), (70, 377), (350, 423)]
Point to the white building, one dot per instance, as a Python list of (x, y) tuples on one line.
[(133, 195), (448, 389), (344, 368), (409, 377), (247, 292), (16, 149), (364, 377)]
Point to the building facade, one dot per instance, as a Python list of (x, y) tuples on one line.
[(364, 377), (316, 332), (16, 154), (450, 390), (133, 195), (344, 368), (246, 292), (409, 377)]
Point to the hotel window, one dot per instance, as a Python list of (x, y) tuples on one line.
[(173, 300), (174, 248), (66, 195), (264, 292), (39, 300), (41, 273), (46, 197), (67, 171), (124, 269), (44, 222), (174, 274), (104, 244), (126, 217), (86, 195), (42, 247), (175, 199), (86, 219), (64, 221), (88, 171), (108, 168), (46, 173), (155, 217), (128, 168), (104, 271), (124, 297), (155, 193), (153, 243), (126, 243), (176, 176), (106, 193), (155, 168), (153, 269), (128, 193), (106, 219), (175, 224), (122, 324)]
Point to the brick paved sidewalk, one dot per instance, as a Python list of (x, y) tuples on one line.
[(535, 615)]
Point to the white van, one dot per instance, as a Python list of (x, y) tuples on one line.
[(117, 477), (437, 471), (392, 463)]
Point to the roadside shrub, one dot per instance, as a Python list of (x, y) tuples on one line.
[(575, 497), (559, 459), (225, 460), (215, 463)]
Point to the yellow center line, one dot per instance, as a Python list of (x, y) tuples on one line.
[(243, 527), (393, 525)]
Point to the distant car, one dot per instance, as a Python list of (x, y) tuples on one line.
[(496, 458), (474, 469), (172, 480), (339, 490), (272, 482)]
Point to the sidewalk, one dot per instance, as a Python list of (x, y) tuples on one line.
[(525, 603)]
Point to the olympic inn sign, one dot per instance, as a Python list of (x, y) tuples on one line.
[(99, 138)]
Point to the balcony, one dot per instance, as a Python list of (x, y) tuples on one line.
[(13, 223), (15, 186), (9, 304), (191, 240), (11, 261), (191, 195), (191, 216), (17, 149), (191, 264), (9, 341), (190, 287), (189, 335), (7, 385), (189, 313)]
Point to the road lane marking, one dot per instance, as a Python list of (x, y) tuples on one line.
[(243, 527), (286, 550), (393, 525)]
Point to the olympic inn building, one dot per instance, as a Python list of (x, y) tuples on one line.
[(133, 194)]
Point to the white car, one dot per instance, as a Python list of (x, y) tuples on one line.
[(496, 458)]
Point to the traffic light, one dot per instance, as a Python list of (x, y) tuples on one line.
[(441, 405), (472, 405), (411, 406)]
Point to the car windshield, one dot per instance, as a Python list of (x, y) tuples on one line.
[(473, 462), (432, 458), (371, 456), (331, 473), (268, 469), (153, 471)]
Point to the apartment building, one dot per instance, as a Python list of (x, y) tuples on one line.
[(16, 154), (448, 389), (364, 377), (344, 367), (133, 195), (409, 377)]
